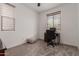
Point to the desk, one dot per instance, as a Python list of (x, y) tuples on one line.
[(58, 38)]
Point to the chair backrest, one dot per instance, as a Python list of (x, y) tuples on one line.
[(53, 29), (50, 34)]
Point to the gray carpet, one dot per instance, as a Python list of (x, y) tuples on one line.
[(40, 48)]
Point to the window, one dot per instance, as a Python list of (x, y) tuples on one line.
[(54, 20), (50, 21), (7, 17)]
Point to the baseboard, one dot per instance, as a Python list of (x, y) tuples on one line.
[(65, 44), (15, 45), (68, 45)]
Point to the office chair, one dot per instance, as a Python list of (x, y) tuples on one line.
[(50, 36)]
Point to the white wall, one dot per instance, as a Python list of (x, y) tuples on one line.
[(69, 32), (78, 25), (29, 24), (25, 27)]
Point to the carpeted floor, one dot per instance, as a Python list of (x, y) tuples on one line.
[(40, 48)]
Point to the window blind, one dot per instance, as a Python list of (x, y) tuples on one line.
[(7, 17), (55, 13)]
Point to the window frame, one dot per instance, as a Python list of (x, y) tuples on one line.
[(53, 14), (2, 24), (12, 18)]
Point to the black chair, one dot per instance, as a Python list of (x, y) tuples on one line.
[(50, 36)]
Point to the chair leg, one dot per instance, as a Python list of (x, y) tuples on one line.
[(51, 43)]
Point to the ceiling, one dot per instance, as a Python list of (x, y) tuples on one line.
[(42, 7)]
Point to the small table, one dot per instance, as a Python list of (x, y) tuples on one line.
[(2, 52), (2, 48)]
